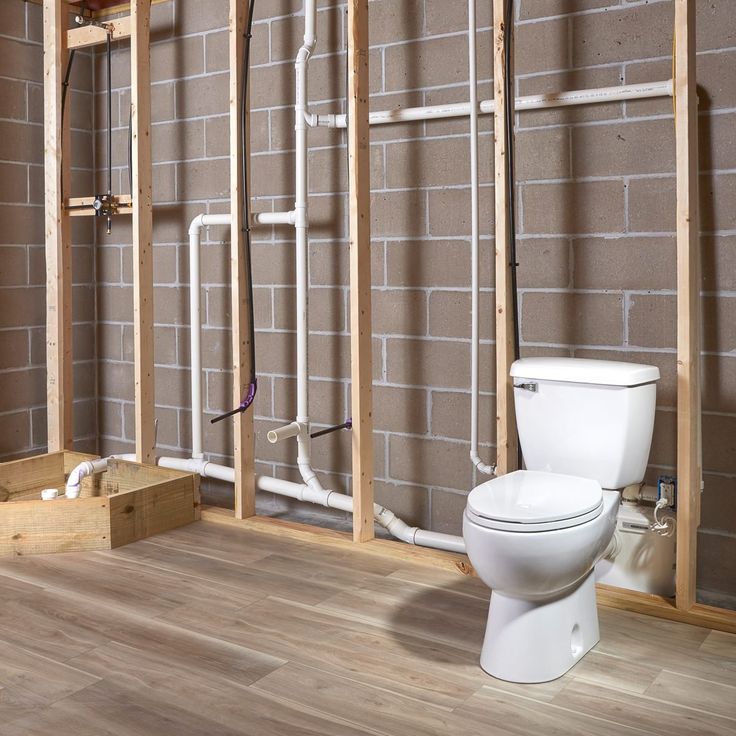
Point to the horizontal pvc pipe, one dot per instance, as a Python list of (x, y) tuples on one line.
[(283, 433), (330, 499), (618, 93), (274, 218)]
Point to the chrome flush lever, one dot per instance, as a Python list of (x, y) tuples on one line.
[(527, 386)]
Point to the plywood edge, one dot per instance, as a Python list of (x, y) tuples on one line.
[(329, 537)]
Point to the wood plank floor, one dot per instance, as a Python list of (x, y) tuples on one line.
[(209, 631)]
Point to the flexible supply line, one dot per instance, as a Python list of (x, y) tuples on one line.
[(475, 248)]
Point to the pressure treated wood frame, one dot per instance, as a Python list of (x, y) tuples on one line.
[(57, 42)]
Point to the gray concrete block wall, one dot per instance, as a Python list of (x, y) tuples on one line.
[(22, 269), (596, 234)]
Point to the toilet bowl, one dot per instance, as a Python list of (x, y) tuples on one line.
[(534, 536)]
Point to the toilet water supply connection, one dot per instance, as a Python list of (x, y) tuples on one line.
[(311, 489)]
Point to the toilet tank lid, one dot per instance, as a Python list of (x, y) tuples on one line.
[(584, 370)]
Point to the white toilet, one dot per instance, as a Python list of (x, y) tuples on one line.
[(534, 536)]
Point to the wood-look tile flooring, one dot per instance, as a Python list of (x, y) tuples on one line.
[(209, 631)]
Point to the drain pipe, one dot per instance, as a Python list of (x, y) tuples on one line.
[(195, 318), (475, 247)]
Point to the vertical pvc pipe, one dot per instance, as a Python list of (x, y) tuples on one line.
[(475, 245), (302, 254)]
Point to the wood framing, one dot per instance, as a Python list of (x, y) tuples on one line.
[(243, 434), (361, 330), (126, 503), (84, 36), (689, 463), (59, 388), (140, 96), (506, 438)]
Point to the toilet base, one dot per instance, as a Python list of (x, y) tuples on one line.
[(537, 641)]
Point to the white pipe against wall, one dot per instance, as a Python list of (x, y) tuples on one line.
[(274, 218), (570, 98), (301, 225), (475, 247), (195, 318)]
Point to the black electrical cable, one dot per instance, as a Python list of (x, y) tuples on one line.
[(64, 90), (511, 181), (109, 114), (130, 151), (250, 394)]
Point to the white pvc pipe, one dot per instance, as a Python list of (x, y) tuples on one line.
[(283, 433), (301, 225), (195, 321), (274, 218), (474, 247), (88, 467), (618, 93)]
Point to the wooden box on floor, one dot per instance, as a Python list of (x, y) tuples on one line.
[(127, 502)]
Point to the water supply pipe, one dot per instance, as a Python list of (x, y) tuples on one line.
[(568, 98), (475, 247)]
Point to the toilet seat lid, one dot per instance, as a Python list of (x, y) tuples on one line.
[(535, 497)]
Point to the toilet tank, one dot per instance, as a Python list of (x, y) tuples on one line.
[(590, 418)]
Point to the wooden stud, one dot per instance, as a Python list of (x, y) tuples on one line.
[(84, 36), (59, 391), (361, 331), (689, 464), (140, 59), (243, 434), (506, 438)]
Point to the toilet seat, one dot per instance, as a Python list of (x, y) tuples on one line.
[(534, 501)]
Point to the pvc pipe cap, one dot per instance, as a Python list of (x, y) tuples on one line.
[(49, 494)]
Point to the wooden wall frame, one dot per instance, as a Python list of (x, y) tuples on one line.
[(361, 329), (243, 432), (689, 464), (59, 359)]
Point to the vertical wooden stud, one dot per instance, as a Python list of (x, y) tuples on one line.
[(361, 331), (140, 95), (506, 438), (59, 386), (243, 436), (689, 464)]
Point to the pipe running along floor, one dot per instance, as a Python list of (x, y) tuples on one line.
[(211, 631)]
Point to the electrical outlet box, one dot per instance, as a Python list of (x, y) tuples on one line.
[(667, 489)]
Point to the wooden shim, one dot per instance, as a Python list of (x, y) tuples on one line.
[(140, 60), (506, 438), (59, 387), (84, 36), (243, 434), (689, 463), (361, 331)]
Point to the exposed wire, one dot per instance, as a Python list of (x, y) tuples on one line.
[(250, 393), (64, 90)]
